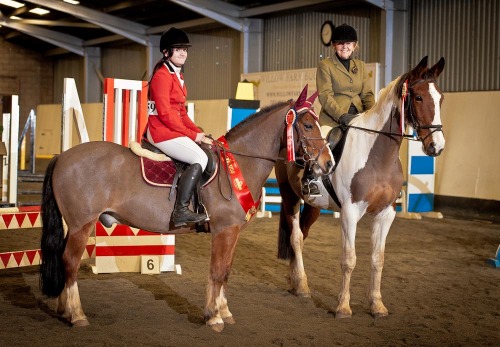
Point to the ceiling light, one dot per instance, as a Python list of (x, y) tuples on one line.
[(15, 17), (11, 3), (39, 11), (72, 2)]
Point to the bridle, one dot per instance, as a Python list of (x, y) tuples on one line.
[(306, 157), (291, 124), (411, 115), (406, 108)]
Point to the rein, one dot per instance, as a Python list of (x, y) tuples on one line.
[(222, 150)]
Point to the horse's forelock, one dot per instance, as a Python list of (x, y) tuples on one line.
[(428, 75)]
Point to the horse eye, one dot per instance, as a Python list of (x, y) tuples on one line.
[(308, 126), (418, 98)]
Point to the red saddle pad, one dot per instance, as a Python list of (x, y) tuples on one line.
[(158, 173)]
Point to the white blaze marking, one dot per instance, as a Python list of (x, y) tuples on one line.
[(437, 136)]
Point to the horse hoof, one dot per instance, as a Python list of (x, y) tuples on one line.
[(342, 315), (300, 294), (380, 314), (229, 320), (217, 327), (303, 294), (80, 323)]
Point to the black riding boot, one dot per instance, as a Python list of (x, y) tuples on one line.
[(185, 188)]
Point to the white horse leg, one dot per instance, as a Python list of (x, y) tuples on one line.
[(70, 307), (381, 226), (349, 221), (224, 312), (223, 246), (298, 277), (69, 300), (212, 314), (62, 299)]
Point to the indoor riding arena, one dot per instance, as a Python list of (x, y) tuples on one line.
[(104, 271)]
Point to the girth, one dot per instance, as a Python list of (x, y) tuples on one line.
[(336, 138)]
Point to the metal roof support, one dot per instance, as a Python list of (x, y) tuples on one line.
[(205, 8), (379, 3), (71, 43), (128, 29), (394, 39), (153, 54), (253, 45), (400, 32), (221, 7), (91, 71), (283, 6)]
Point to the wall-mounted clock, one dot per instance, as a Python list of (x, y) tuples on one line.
[(327, 32)]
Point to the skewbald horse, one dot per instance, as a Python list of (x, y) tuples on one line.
[(368, 178), (102, 181)]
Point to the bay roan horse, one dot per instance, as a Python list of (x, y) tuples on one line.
[(102, 181), (368, 179)]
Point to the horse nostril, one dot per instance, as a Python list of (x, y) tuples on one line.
[(329, 164), (432, 149)]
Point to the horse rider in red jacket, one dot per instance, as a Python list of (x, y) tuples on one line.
[(169, 128)]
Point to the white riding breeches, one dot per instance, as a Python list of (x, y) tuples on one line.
[(183, 149)]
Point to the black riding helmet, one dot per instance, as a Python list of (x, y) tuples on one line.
[(174, 37), (344, 33)]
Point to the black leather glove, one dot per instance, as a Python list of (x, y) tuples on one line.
[(345, 119)]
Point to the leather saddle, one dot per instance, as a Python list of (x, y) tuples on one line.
[(166, 173), (174, 168), (336, 139)]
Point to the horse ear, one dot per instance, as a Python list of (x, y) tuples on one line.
[(438, 68), (312, 98), (302, 98), (420, 68)]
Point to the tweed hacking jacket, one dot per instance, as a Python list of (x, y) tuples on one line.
[(338, 88)]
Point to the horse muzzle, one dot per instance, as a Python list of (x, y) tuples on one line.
[(433, 150), (323, 167)]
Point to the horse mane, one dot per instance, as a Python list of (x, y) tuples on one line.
[(391, 94), (254, 118), (392, 90)]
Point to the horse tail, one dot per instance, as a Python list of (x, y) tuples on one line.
[(285, 250), (52, 274)]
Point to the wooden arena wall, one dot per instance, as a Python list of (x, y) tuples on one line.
[(470, 163)]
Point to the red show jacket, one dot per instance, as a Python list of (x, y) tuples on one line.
[(170, 119)]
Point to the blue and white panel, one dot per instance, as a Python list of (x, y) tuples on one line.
[(420, 183), (238, 110)]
